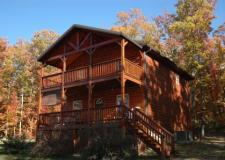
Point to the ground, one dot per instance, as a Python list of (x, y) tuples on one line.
[(210, 148)]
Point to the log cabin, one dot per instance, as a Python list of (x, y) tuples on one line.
[(107, 77)]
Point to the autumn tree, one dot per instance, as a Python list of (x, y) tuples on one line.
[(20, 79), (138, 27)]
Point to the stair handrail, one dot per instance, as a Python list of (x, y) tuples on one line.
[(133, 117), (155, 123), (167, 138)]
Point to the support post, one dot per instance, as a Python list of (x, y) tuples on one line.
[(123, 43), (40, 98), (90, 85), (122, 81), (40, 87), (63, 88)]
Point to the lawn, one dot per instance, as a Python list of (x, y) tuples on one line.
[(210, 148)]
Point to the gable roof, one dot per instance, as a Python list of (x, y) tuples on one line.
[(145, 48)]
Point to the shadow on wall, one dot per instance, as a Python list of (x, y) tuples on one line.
[(168, 101)]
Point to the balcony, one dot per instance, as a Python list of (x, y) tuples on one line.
[(99, 72)]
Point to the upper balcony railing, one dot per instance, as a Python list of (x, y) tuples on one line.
[(133, 70), (99, 70)]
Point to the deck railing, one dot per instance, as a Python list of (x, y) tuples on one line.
[(99, 70), (53, 80), (83, 116), (132, 69), (150, 128), (106, 68), (78, 74)]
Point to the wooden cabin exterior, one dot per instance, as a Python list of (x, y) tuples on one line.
[(105, 76)]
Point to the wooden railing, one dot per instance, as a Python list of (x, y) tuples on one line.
[(83, 116), (153, 132), (134, 70), (78, 74), (99, 70), (150, 128), (106, 68), (49, 119), (53, 80)]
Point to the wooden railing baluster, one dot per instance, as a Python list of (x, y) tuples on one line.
[(99, 70)]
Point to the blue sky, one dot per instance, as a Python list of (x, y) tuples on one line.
[(21, 18)]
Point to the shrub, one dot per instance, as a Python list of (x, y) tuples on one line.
[(51, 147), (109, 143), (15, 145)]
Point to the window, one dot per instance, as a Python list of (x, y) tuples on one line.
[(77, 104), (51, 98), (177, 80), (118, 99), (99, 103)]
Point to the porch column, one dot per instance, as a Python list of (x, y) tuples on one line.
[(90, 85), (123, 44), (39, 100), (63, 86), (40, 88)]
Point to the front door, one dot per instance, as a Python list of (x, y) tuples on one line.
[(99, 104), (119, 100)]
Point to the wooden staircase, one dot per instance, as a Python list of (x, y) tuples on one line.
[(147, 130)]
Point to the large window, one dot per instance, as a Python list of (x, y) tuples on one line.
[(77, 104), (119, 100), (51, 98)]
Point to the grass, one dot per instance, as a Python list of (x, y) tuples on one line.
[(210, 148)]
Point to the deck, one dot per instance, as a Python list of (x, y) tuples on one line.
[(100, 72), (150, 132), (78, 118)]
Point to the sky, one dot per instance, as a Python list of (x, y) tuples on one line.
[(20, 19)]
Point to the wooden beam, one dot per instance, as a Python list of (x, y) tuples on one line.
[(72, 45), (63, 81), (40, 88), (84, 49), (77, 39), (63, 85), (85, 39), (123, 44), (90, 87)]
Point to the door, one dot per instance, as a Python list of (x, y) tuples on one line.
[(119, 100), (99, 104)]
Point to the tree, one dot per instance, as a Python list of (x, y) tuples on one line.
[(41, 41), (20, 81), (138, 27)]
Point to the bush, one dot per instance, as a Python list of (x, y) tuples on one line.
[(106, 143), (15, 145), (51, 147)]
